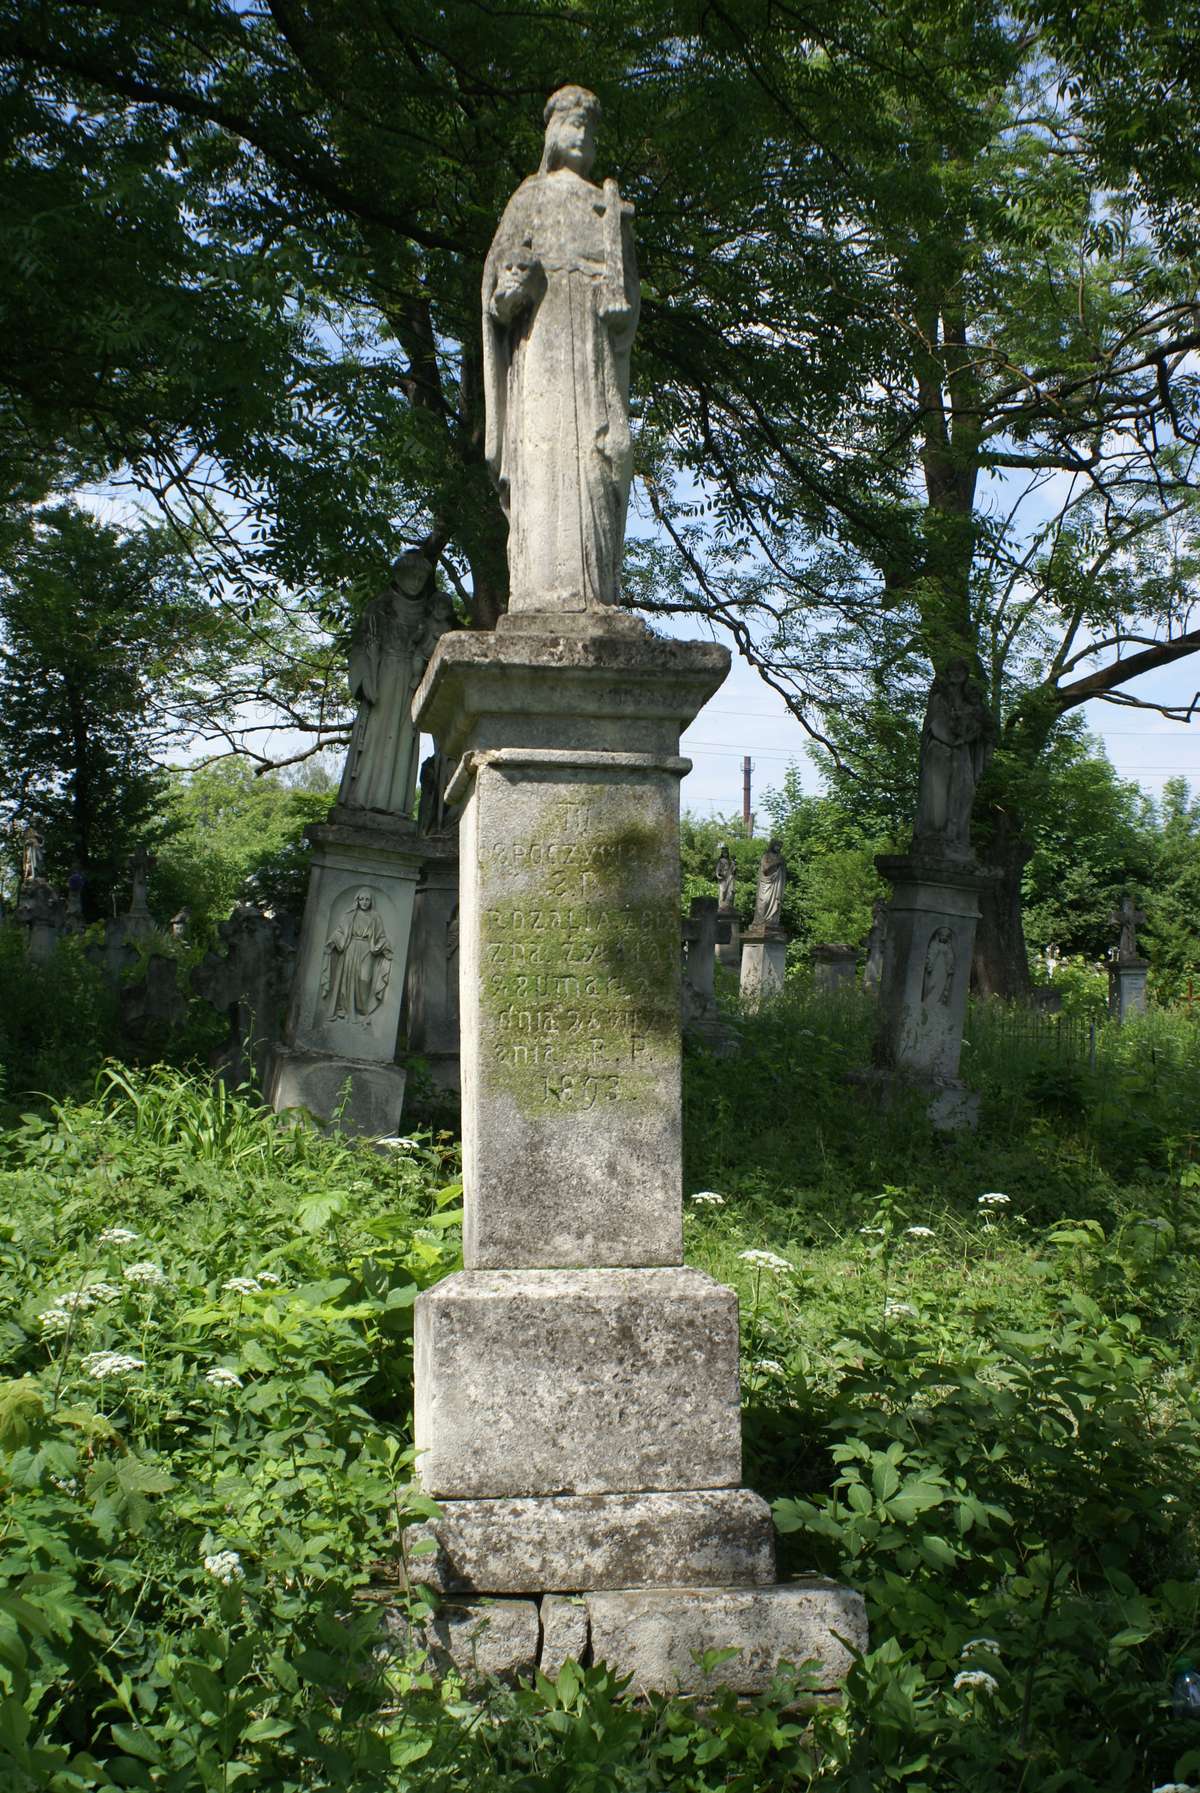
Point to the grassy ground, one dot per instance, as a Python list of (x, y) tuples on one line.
[(982, 1413)]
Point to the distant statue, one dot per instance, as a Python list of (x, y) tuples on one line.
[(725, 872), (389, 651), (358, 962), (33, 856), (938, 980), (1128, 918), (431, 807), (772, 881), (141, 863), (180, 922), (954, 744), (560, 308), (873, 969)]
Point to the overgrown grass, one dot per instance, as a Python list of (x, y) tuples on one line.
[(980, 1413)]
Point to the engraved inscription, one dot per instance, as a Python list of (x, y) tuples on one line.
[(579, 961)]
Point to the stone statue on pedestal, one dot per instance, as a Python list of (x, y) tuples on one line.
[(772, 881), (954, 744), (1128, 918), (560, 309), (725, 873), (389, 652), (33, 857), (141, 863)]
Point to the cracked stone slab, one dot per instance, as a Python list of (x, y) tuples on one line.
[(479, 1638), (549, 1382), (565, 1633), (686, 1538), (654, 1634)]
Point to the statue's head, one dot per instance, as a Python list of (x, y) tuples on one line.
[(411, 572), (572, 117), (722, 848), (363, 899), (957, 671), (775, 846)]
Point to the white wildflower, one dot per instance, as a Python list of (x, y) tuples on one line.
[(898, 1310), (102, 1364), (973, 1678), (268, 1279), (220, 1377), (75, 1301), (54, 1321), (766, 1260), (65, 1484), (919, 1232), (993, 1200), (1175, 1787), (769, 1367), (710, 1196), (979, 1643), (242, 1285), (225, 1567), (872, 1231), (116, 1235), (397, 1143), (104, 1291), (147, 1276)]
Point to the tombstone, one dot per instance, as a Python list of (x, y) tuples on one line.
[(702, 933), (576, 1390), (934, 908), (1127, 969), (729, 940), (431, 992), (138, 921), (75, 921), (835, 968), (873, 968), (39, 911), (764, 943), (338, 1052), (247, 978)]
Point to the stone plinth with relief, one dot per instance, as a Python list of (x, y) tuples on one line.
[(577, 1410)]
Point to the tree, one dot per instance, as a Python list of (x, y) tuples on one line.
[(1172, 899), (107, 654)]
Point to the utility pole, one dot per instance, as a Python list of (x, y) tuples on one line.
[(747, 818)]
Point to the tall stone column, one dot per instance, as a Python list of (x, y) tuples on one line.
[(577, 1405)]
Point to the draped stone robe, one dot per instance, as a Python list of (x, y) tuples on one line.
[(556, 375)]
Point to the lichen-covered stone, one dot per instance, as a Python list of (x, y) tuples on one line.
[(691, 1538), (576, 1382), (564, 1633), (476, 1637), (655, 1634)]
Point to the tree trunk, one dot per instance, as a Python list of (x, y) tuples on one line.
[(1001, 963)]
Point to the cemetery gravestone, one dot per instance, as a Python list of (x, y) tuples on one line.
[(339, 1042), (834, 967), (431, 1018), (1127, 971), (873, 969), (577, 1414), (729, 943), (764, 943), (702, 932)]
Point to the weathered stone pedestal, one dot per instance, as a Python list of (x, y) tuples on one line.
[(1127, 987), (927, 978), (577, 1407), (702, 1020), (431, 1018), (764, 961), (337, 1058), (834, 967), (39, 915)]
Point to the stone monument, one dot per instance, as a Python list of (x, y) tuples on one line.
[(339, 1042), (1127, 969), (576, 1413), (935, 905), (873, 968), (729, 941), (431, 1020), (835, 967), (39, 911), (137, 921), (703, 930), (764, 943)]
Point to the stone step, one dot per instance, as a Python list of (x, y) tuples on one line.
[(653, 1635), (690, 1538)]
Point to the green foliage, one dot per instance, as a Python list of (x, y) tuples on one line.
[(58, 1019), (234, 833)]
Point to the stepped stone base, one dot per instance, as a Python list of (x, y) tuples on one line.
[(548, 1382), (650, 1634), (696, 1538)]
